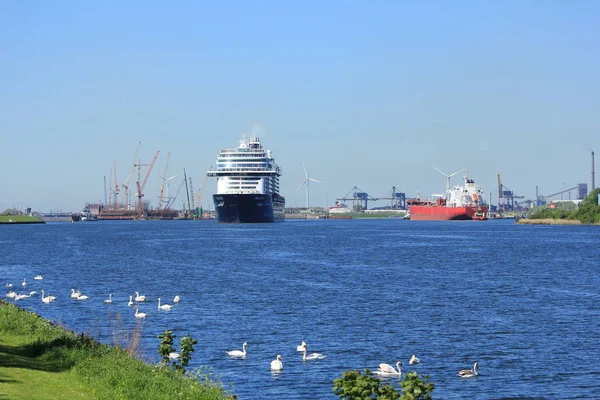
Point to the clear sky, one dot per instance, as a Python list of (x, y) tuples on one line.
[(368, 94)]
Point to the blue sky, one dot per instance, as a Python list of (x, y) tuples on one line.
[(367, 94)]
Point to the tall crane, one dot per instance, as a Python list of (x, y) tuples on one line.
[(198, 195), (398, 199), (140, 187), (506, 197), (359, 198), (171, 200), (125, 183)]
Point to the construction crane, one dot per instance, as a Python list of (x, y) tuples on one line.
[(398, 199), (506, 197), (198, 195), (359, 198), (116, 186), (125, 183), (171, 200), (193, 209), (140, 188)]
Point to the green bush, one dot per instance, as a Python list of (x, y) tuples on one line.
[(353, 385)]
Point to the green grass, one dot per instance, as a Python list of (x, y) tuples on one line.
[(20, 219), (41, 361)]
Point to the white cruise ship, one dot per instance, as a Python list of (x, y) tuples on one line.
[(247, 184)]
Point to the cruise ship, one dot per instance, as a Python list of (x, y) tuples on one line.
[(247, 184)]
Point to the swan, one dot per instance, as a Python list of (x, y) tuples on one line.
[(75, 294), (277, 365), (9, 285), (24, 296), (238, 353), (48, 299), (469, 373), (24, 284), (176, 299), (82, 297), (312, 356), (414, 360), (165, 307), (139, 314), (139, 298), (388, 370), (173, 356), (130, 301), (300, 347), (109, 300), (11, 295), (38, 277)]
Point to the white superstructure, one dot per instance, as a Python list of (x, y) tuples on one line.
[(247, 169), (468, 194)]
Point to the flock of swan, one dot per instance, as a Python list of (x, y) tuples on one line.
[(276, 365), (77, 295)]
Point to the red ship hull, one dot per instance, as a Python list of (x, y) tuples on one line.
[(443, 213)]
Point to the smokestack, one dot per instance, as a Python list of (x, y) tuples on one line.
[(593, 169)]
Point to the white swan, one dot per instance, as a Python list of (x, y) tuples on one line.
[(468, 373), (48, 299), (139, 298), (82, 297), (414, 360), (130, 301), (38, 277), (9, 285), (238, 353), (277, 365), (165, 307), (312, 356), (176, 299), (75, 294), (11, 295), (388, 370), (139, 314), (300, 347), (24, 284), (24, 296), (109, 300), (173, 356)]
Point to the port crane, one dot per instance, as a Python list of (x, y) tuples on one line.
[(125, 184), (398, 199), (140, 187), (506, 197), (171, 200), (359, 198)]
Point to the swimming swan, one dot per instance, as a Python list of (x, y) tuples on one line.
[(75, 294), (130, 301), (176, 299), (109, 300), (24, 284), (469, 373), (173, 356), (165, 307), (312, 356), (139, 298), (414, 360), (48, 299), (24, 296), (388, 370), (82, 297), (277, 365), (238, 353), (38, 277), (300, 347), (139, 314)]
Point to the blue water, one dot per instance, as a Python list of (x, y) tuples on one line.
[(523, 301)]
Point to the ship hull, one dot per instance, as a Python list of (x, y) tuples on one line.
[(249, 208), (441, 213)]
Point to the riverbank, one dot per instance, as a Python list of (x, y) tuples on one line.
[(547, 221), (20, 219), (43, 361)]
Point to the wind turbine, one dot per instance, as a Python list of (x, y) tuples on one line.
[(447, 178), (307, 183)]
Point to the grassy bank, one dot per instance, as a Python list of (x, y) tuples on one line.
[(39, 360), (548, 221), (20, 219)]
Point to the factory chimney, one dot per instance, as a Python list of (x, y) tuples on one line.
[(593, 179)]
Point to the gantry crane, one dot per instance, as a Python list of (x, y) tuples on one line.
[(359, 198), (398, 199), (506, 197), (140, 187)]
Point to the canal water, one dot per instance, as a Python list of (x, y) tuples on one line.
[(522, 301)]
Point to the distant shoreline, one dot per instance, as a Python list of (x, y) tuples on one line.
[(548, 221), (19, 219)]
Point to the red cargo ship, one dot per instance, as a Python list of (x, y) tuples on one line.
[(463, 202)]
